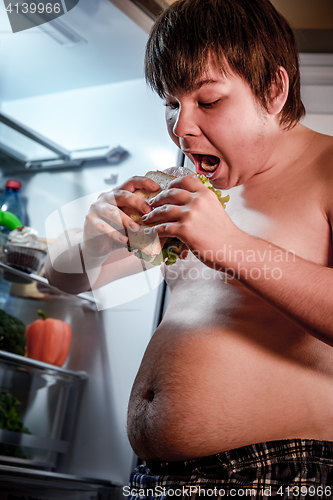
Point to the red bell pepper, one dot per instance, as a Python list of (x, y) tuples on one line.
[(49, 340)]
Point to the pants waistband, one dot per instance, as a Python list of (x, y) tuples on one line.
[(260, 454)]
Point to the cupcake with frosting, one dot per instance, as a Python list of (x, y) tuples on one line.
[(23, 250)]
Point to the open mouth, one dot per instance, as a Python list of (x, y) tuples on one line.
[(207, 163)]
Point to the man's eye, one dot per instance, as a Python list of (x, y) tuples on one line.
[(208, 104), (171, 105)]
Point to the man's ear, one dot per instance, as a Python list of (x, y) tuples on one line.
[(278, 92)]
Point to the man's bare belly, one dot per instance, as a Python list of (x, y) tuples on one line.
[(225, 369)]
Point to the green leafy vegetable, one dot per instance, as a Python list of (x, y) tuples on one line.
[(12, 334), (10, 420), (141, 255), (222, 199)]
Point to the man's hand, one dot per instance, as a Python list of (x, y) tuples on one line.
[(106, 225), (193, 213), (104, 233)]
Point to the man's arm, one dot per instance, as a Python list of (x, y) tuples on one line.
[(300, 289), (59, 263), (82, 259), (101, 271)]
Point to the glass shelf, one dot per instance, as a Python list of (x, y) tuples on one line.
[(24, 278), (46, 399)]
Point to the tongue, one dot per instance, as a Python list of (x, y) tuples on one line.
[(209, 162)]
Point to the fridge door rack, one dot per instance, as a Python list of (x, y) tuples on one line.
[(27, 278), (47, 398), (23, 361)]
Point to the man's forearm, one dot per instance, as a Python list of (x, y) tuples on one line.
[(72, 283), (74, 269), (66, 264), (63, 266), (301, 289)]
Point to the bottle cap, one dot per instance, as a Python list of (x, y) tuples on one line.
[(12, 184)]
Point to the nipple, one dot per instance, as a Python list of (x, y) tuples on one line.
[(149, 395)]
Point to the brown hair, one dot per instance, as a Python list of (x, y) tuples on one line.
[(249, 35)]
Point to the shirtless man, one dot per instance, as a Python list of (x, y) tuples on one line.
[(239, 374)]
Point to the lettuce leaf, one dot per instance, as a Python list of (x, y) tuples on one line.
[(222, 199)]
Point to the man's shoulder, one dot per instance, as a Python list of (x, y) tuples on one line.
[(324, 170), (323, 145), (325, 157)]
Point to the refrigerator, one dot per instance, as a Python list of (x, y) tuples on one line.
[(77, 119)]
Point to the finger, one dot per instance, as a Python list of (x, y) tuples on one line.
[(109, 213), (165, 230), (130, 201), (164, 213), (139, 182), (102, 228), (191, 184), (112, 217), (131, 185), (171, 196), (105, 205)]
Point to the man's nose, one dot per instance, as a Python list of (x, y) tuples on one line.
[(185, 124)]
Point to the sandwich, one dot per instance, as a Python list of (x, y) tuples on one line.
[(155, 249)]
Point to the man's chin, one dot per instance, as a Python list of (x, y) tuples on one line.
[(220, 183)]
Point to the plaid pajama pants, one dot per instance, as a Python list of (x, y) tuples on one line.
[(288, 469)]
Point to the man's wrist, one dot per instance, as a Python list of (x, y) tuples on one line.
[(253, 259), (89, 259), (233, 251)]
